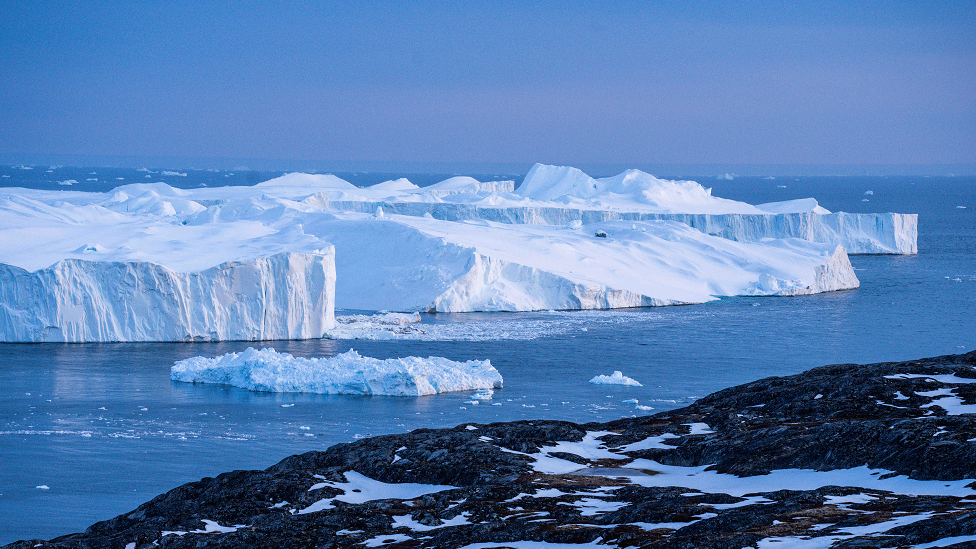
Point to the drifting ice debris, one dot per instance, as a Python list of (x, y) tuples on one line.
[(617, 378)]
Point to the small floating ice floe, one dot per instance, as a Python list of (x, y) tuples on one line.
[(344, 374), (617, 378)]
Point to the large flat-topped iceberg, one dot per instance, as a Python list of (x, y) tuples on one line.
[(395, 262), (557, 195), (345, 374), (404, 263), (150, 262)]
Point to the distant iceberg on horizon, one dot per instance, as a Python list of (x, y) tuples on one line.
[(561, 240)]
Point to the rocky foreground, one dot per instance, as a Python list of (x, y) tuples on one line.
[(880, 455)]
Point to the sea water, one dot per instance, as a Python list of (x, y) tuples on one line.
[(91, 431)]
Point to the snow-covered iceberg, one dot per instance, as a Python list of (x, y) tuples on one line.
[(282, 296), (404, 263), (557, 195), (561, 240), (859, 233), (346, 374)]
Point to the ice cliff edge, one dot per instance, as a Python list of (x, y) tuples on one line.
[(281, 296)]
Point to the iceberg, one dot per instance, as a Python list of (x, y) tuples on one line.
[(282, 296), (405, 263), (558, 195), (859, 233), (273, 260), (346, 374), (616, 378)]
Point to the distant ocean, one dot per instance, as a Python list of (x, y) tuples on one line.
[(91, 431)]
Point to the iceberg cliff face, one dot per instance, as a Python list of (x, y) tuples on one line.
[(858, 233), (406, 263), (283, 296)]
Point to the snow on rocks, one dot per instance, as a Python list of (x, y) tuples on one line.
[(359, 488), (616, 378), (347, 373)]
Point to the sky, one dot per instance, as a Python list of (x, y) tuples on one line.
[(491, 83)]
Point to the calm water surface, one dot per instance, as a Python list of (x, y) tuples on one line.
[(104, 429)]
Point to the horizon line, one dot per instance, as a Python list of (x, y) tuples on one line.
[(484, 168)]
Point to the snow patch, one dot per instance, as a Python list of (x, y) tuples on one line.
[(359, 488)]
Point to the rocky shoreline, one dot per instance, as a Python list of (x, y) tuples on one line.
[(879, 455)]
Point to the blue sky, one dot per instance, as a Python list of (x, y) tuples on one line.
[(577, 83)]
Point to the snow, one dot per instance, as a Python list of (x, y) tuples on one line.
[(212, 527), (941, 378), (457, 246), (596, 544), (359, 488), (699, 428), (385, 539), (953, 405), (630, 189), (650, 443), (845, 532), (406, 521), (616, 378), (945, 542), (802, 205), (347, 373), (589, 447), (591, 507), (792, 479), (700, 478)]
